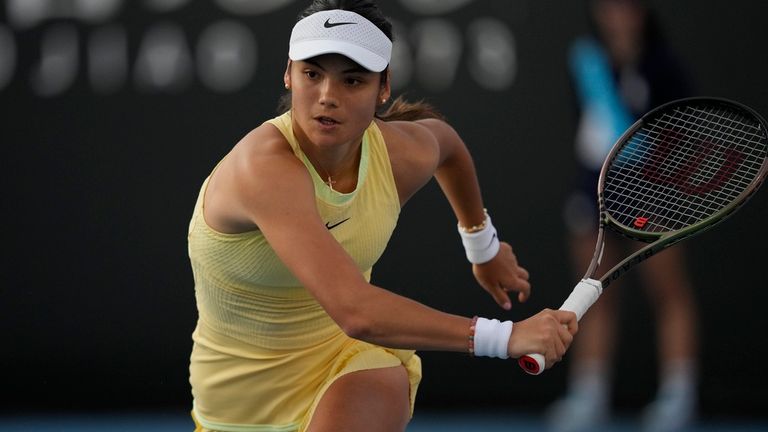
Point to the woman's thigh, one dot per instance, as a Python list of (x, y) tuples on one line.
[(373, 400)]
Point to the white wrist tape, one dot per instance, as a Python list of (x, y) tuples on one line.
[(481, 246), (492, 337)]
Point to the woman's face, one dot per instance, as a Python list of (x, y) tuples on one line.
[(334, 99)]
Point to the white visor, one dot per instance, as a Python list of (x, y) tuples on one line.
[(341, 32)]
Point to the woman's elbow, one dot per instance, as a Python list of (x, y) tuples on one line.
[(356, 324)]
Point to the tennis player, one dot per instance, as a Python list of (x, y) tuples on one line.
[(291, 335)]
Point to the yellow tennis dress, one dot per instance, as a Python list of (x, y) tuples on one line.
[(264, 350)]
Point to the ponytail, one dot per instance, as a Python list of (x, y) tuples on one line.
[(402, 110)]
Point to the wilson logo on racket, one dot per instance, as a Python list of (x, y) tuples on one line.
[(640, 222), (696, 152)]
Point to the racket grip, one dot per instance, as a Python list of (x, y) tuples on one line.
[(583, 296)]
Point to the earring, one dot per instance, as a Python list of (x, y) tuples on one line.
[(287, 87), (383, 101)]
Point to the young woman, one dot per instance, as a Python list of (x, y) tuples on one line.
[(291, 335)]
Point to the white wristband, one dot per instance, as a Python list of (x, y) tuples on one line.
[(480, 246), (492, 337)]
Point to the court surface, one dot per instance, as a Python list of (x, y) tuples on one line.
[(423, 422)]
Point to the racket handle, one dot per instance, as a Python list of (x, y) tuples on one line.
[(583, 296)]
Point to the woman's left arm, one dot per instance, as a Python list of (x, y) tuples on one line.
[(458, 180)]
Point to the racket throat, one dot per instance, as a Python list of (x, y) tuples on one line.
[(621, 268), (598, 255)]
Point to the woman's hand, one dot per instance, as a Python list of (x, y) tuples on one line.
[(503, 274), (549, 333)]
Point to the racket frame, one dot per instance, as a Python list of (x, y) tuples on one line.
[(588, 290), (662, 240)]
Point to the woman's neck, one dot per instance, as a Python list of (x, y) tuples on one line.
[(336, 165)]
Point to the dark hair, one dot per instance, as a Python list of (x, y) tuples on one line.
[(400, 109), (652, 32), (366, 8)]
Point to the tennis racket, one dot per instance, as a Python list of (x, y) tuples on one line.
[(678, 171)]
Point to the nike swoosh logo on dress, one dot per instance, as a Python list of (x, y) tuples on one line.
[(330, 227)]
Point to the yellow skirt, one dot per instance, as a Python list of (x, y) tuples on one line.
[(243, 388)]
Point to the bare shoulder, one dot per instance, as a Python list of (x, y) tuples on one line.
[(440, 129), (410, 140), (261, 168), (425, 135), (263, 140), (259, 150), (260, 155), (414, 152), (406, 134)]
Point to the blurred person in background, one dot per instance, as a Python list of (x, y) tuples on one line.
[(619, 72)]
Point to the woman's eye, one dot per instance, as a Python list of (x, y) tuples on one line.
[(311, 74), (353, 81)]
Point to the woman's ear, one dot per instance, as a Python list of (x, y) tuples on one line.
[(287, 75), (386, 89)]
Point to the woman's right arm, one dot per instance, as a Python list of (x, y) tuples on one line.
[(261, 184), (272, 189)]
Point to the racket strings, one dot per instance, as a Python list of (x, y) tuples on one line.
[(683, 167), (683, 177), (672, 172), (680, 165)]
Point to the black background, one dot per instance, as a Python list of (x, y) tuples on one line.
[(96, 292)]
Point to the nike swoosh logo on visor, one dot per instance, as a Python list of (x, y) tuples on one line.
[(329, 24), (332, 226)]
